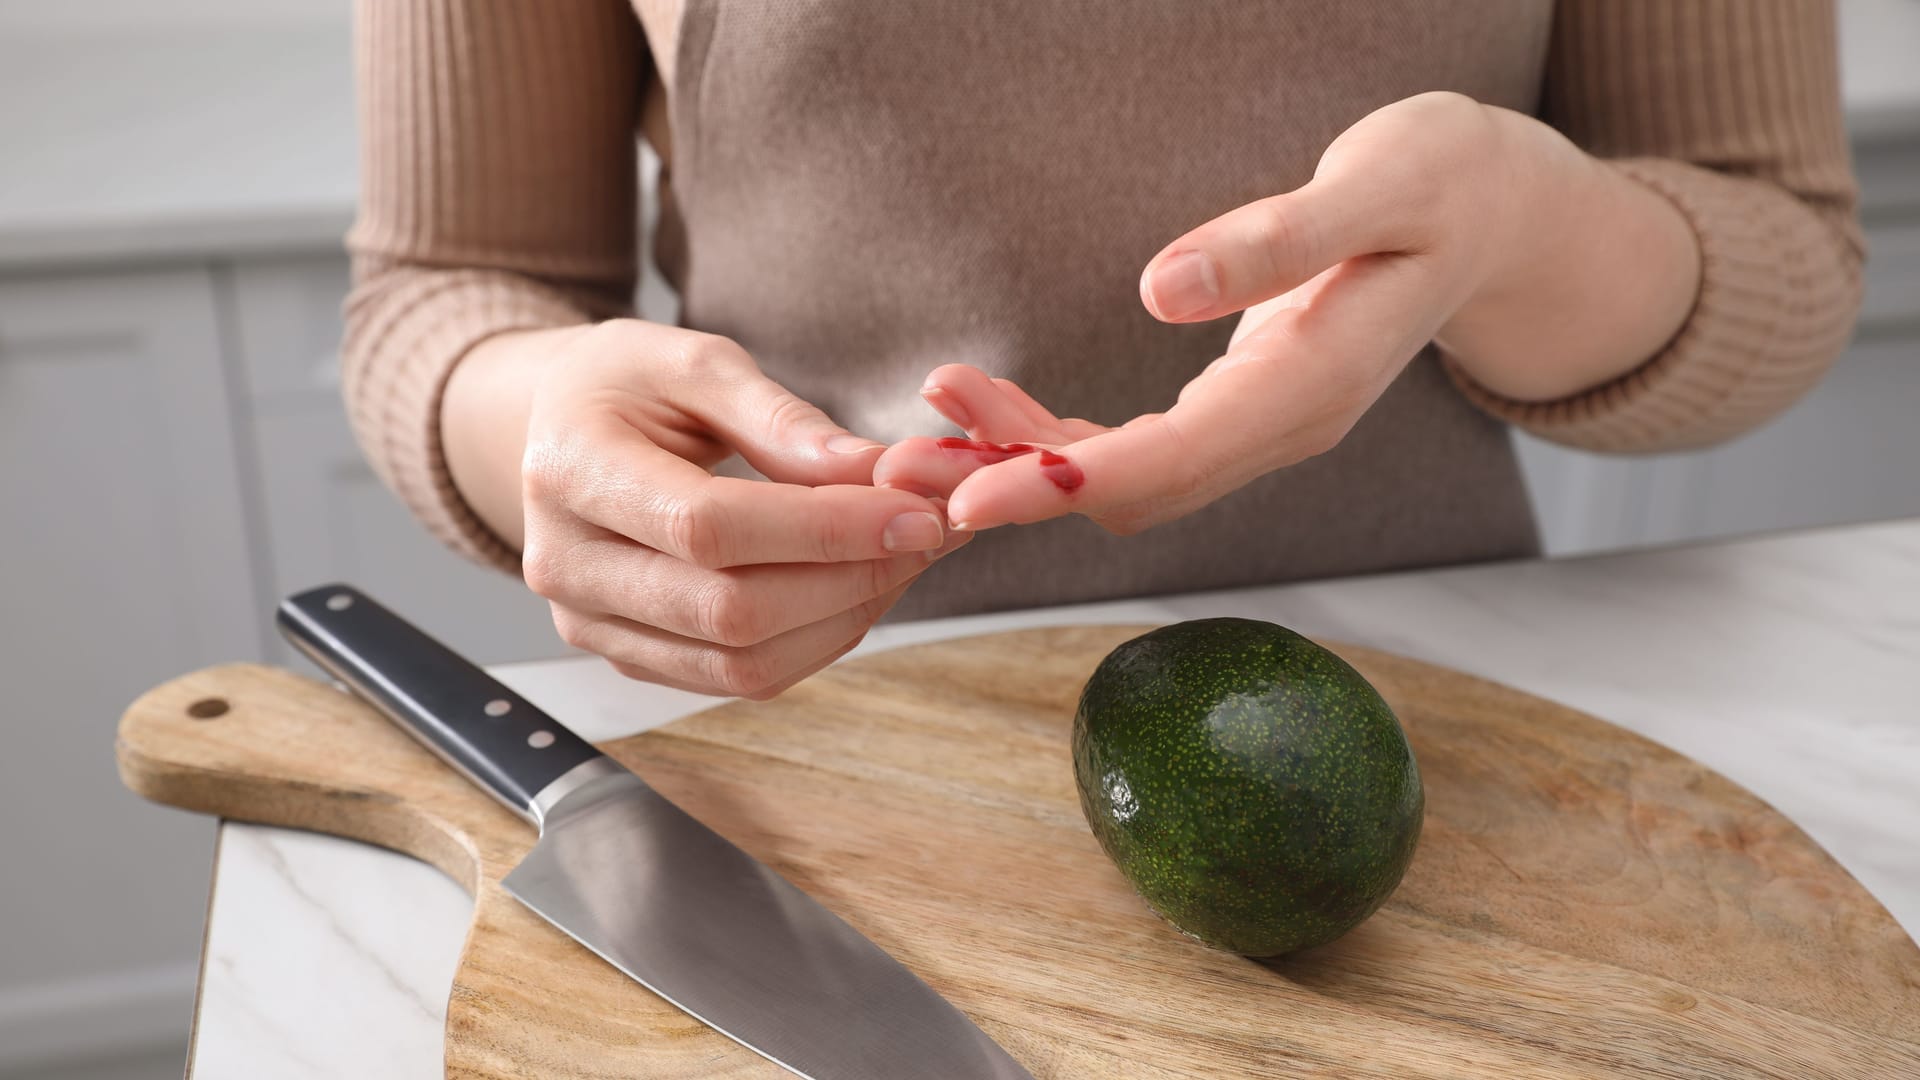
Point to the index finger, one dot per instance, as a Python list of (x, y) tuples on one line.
[(1130, 466), (669, 504)]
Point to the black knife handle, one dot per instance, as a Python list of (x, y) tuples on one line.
[(461, 713)]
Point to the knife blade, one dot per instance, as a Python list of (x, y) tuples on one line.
[(639, 881)]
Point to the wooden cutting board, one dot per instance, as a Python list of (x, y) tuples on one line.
[(1583, 903)]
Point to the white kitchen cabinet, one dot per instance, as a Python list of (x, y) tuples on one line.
[(326, 516), (124, 561)]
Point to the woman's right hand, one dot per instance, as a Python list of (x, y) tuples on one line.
[(708, 583)]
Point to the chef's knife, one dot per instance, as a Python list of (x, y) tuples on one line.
[(640, 882)]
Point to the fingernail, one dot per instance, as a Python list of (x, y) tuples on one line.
[(849, 444), (1183, 286), (948, 406), (917, 531)]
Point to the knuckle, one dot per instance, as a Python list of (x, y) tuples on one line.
[(881, 576), (1288, 242), (709, 358), (789, 412), (738, 672), (574, 628), (1319, 439), (540, 567), (696, 531), (631, 671), (831, 538), (546, 471), (609, 334), (1444, 104), (868, 611), (728, 614), (1450, 124), (765, 693)]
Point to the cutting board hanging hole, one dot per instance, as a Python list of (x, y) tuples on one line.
[(208, 708)]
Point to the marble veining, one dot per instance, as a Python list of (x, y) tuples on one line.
[(1788, 663)]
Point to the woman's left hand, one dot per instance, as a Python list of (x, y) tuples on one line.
[(1434, 217)]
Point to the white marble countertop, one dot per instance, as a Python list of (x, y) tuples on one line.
[(184, 139), (1788, 663)]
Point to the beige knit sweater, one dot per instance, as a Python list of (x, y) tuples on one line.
[(499, 192)]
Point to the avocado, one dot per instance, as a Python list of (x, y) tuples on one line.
[(1255, 789)]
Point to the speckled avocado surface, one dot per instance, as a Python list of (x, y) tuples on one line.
[(1253, 787)]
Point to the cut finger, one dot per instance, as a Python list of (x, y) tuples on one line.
[(1287, 391), (935, 467)]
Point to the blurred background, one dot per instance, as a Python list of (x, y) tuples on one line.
[(175, 180)]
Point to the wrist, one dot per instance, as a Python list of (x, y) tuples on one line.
[(1595, 273), (484, 411)]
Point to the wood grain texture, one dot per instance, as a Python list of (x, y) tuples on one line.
[(1583, 903)]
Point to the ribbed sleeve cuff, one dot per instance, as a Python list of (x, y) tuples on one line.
[(405, 339), (1779, 288)]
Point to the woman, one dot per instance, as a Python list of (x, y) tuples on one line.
[(1623, 225)]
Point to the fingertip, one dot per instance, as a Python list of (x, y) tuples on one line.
[(1182, 288), (946, 374), (834, 456), (1014, 492), (962, 513), (947, 404), (896, 467), (1146, 289)]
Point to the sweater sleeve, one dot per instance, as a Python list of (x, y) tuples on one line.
[(1730, 109), (498, 192)]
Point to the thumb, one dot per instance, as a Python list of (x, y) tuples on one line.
[(788, 439)]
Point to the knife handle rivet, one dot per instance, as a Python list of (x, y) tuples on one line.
[(339, 601), (540, 740), (497, 707)]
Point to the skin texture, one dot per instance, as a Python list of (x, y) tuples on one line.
[(676, 576), (1253, 787), (1543, 271)]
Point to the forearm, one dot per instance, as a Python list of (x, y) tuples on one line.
[(1598, 273), (483, 422)]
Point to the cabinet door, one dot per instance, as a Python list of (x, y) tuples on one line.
[(328, 518), (123, 562)]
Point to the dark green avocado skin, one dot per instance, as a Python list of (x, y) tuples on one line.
[(1253, 787)]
